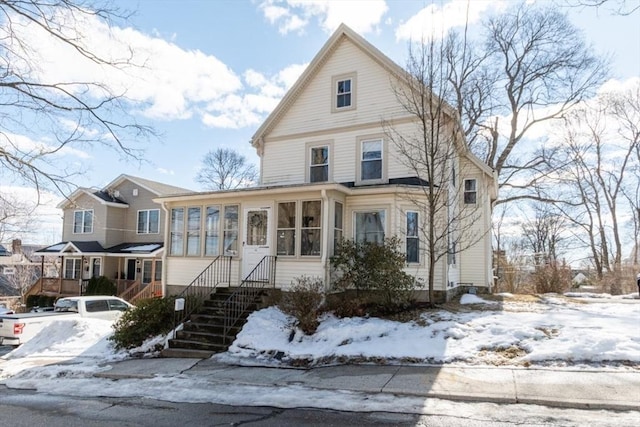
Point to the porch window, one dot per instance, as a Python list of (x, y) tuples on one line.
[(230, 233), (193, 231), (337, 225), (286, 230), (212, 233), (83, 222), (146, 271), (319, 165), (149, 221), (72, 267), (371, 160), (177, 231), (413, 240), (158, 276), (310, 231), (369, 226), (470, 192)]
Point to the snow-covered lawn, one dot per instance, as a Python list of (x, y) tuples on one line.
[(547, 330)]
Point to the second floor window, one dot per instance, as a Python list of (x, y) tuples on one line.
[(83, 222), (371, 160), (149, 221), (470, 192), (319, 165)]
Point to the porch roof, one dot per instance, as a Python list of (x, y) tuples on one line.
[(95, 248)]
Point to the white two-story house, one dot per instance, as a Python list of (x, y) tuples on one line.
[(116, 232), (328, 171)]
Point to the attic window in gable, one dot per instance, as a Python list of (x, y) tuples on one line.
[(343, 92)]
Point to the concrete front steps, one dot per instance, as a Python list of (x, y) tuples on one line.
[(203, 334)]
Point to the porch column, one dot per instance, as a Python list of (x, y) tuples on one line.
[(60, 275)]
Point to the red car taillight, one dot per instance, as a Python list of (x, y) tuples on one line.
[(17, 328)]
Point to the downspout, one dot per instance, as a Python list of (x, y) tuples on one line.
[(166, 250), (325, 237)]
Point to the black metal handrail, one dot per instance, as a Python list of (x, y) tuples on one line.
[(216, 273), (260, 278)]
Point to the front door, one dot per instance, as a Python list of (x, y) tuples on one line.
[(256, 244), (131, 269)]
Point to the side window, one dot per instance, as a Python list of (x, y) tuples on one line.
[(193, 230), (470, 192), (370, 226), (117, 305), (337, 225), (310, 231), (413, 239), (230, 233), (212, 225), (96, 305), (177, 231)]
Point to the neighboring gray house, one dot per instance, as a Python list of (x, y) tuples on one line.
[(115, 232)]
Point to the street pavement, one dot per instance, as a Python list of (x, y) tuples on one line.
[(579, 389)]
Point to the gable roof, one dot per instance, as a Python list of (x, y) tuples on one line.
[(106, 197)]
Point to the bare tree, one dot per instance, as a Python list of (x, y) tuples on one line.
[(73, 114), (534, 68), (16, 217), (431, 148), (225, 169), (543, 234), (602, 140), (619, 7)]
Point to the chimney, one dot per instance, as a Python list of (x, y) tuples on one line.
[(16, 246)]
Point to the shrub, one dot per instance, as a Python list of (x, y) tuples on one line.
[(375, 271), (552, 278), (100, 286), (149, 318), (40, 301), (304, 301)]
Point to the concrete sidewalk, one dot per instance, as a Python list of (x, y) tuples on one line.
[(610, 390)]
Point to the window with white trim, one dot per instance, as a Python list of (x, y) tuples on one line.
[(371, 160), (338, 226), (286, 229), (149, 221), (193, 230), (212, 231), (177, 231), (72, 268), (319, 164), (83, 222), (230, 232), (470, 192), (412, 238), (343, 93), (370, 226), (453, 249), (310, 230)]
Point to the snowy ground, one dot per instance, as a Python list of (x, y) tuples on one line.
[(582, 331)]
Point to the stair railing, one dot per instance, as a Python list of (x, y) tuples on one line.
[(216, 273), (261, 277)]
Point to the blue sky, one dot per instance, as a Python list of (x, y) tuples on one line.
[(218, 68)]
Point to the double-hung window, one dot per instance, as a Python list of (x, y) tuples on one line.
[(230, 232), (310, 232), (470, 192), (149, 221), (72, 268), (337, 226), (319, 164), (193, 231), (286, 232), (371, 160), (413, 238), (211, 230), (343, 93), (370, 226), (83, 222), (177, 231)]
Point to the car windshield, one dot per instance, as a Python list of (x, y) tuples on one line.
[(66, 305)]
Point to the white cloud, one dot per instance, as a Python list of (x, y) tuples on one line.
[(25, 147), (294, 15), (434, 20), (164, 171)]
